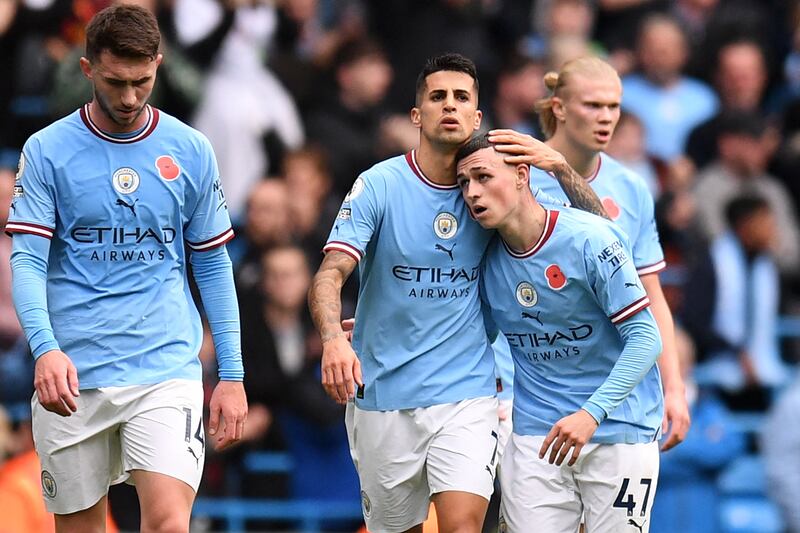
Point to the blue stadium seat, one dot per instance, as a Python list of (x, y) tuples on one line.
[(749, 514), (743, 477)]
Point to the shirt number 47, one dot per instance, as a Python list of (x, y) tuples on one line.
[(626, 500)]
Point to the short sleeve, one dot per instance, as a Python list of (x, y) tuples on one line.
[(33, 202), (612, 274), (359, 217), (547, 199), (209, 225), (647, 253)]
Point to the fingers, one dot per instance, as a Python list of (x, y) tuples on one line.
[(213, 419), (72, 380), (575, 454), (547, 441), (357, 373), (348, 324), (677, 435)]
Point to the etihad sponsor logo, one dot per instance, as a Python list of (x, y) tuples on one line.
[(121, 235), (539, 339), (422, 274)]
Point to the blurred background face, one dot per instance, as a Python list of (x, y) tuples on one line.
[(627, 143), (662, 51), (286, 278), (741, 76), (746, 155), (758, 232), (522, 88), (268, 213), (367, 79), (570, 17), (591, 110)]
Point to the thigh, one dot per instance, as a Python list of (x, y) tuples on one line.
[(165, 502), (618, 487), (536, 492), (389, 449), (464, 450), (163, 431), (79, 454)]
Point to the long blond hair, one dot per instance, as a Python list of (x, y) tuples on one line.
[(589, 66)]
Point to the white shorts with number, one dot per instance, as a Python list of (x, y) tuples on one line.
[(157, 428), (613, 485), (403, 457)]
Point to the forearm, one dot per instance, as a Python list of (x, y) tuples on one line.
[(214, 276), (578, 191), (29, 291), (668, 359), (641, 348), (325, 296)]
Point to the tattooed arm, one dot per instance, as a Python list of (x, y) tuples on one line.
[(520, 148), (340, 365)]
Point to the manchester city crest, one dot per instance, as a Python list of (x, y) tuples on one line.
[(358, 187), (526, 294), (366, 505), (49, 484), (125, 180), (20, 166), (445, 225)]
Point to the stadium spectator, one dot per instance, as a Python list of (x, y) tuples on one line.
[(732, 316), (667, 102), (118, 162), (627, 147), (600, 410), (348, 118), (519, 87), (745, 145), (741, 81), (579, 118), (233, 114)]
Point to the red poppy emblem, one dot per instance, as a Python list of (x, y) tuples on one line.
[(167, 168), (611, 207), (555, 278)]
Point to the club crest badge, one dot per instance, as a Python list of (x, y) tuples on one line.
[(167, 168), (445, 225), (49, 484), (125, 180), (355, 190), (526, 294), (366, 505)]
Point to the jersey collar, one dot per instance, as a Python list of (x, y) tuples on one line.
[(149, 127), (411, 159), (550, 218)]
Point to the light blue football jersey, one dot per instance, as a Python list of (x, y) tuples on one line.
[(419, 330), (120, 213), (557, 305), (627, 201)]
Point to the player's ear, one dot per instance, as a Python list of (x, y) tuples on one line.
[(159, 59), (86, 67), (416, 119), (558, 109), (478, 118), (523, 175)]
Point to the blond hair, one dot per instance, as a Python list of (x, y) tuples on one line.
[(588, 66)]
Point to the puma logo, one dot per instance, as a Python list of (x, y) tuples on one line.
[(628, 284), (196, 458), (634, 524), (132, 207), (533, 317), (449, 252)]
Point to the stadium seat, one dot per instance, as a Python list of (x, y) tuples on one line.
[(749, 514), (743, 477)]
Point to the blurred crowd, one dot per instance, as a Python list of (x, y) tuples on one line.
[(299, 96)]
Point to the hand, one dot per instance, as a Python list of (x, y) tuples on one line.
[(348, 325), (229, 406), (574, 430), (55, 379), (524, 149), (340, 369), (676, 418)]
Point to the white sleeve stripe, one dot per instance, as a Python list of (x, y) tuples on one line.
[(212, 243), (344, 247), (650, 269), (631, 310), (21, 227)]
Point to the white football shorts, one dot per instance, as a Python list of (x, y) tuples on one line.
[(405, 456), (156, 428), (612, 485)]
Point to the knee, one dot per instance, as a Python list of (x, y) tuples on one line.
[(168, 521)]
